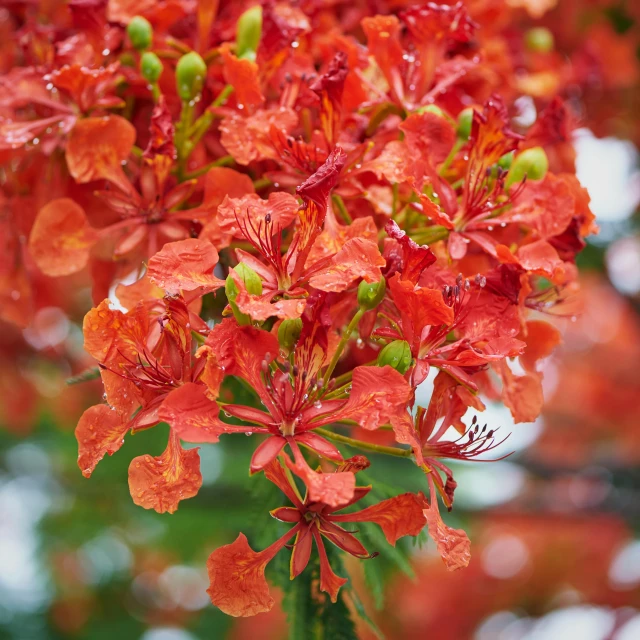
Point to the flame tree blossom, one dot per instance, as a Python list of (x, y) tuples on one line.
[(317, 203)]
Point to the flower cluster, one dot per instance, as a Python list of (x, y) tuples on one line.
[(324, 204)]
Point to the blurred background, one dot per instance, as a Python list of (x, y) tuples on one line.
[(555, 528)]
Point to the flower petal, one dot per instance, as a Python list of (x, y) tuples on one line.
[(378, 395), (97, 147), (194, 416), (329, 582), (185, 265), (160, 483), (397, 517), (61, 238), (100, 430), (453, 544), (358, 258), (236, 576)]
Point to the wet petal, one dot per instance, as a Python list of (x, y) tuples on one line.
[(101, 430), (358, 258), (185, 265), (379, 395), (453, 544), (160, 483)]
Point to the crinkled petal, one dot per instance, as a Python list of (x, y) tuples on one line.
[(185, 265), (358, 258), (453, 544), (159, 483), (397, 517), (379, 395), (237, 584), (101, 430)]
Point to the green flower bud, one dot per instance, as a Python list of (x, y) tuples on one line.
[(248, 33), (371, 294), (289, 331), (532, 163), (465, 121), (140, 33), (127, 59), (431, 108), (396, 354), (506, 160), (251, 279), (539, 39), (190, 74), (231, 289), (150, 67)]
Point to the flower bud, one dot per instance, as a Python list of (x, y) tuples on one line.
[(248, 33), (140, 33), (371, 294), (506, 161), (150, 67), (231, 289), (532, 163), (431, 108), (251, 279), (289, 331), (396, 354), (465, 122), (191, 71), (539, 39)]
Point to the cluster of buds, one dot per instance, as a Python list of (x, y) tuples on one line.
[(327, 213)]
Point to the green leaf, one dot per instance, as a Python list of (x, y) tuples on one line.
[(362, 612), (375, 581)]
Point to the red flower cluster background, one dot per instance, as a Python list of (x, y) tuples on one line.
[(285, 220)]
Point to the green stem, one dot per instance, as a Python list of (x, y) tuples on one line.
[(225, 161), (342, 208), (449, 159), (342, 344), (365, 446), (431, 234), (182, 138), (261, 183)]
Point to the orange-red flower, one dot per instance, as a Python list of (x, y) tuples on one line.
[(236, 572)]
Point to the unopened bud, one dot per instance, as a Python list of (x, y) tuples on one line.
[(431, 108), (249, 32), (465, 122), (231, 289), (506, 160), (150, 67), (539, 39), (396, 354), (289, 332), (532, 163), (371, 294), (191, 71), (140, 33), (251, 279)]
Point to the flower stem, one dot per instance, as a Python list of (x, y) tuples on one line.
[(365, 446), (449, 159), (224, 161), (342, 344)]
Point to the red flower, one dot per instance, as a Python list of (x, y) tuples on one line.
[(236, 572)]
